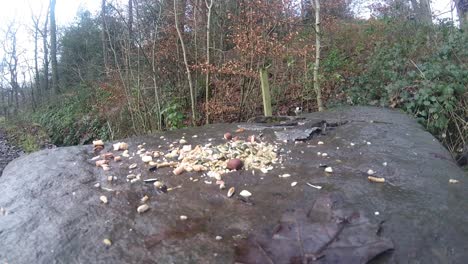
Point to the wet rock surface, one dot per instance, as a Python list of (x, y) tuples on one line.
[(52, 212)]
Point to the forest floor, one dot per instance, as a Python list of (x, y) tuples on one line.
[(7, 152)]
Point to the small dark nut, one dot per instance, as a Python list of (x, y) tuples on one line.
[(98, 148), (108, 156), (228, 136), (235, 164)]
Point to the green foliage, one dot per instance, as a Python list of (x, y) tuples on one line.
[(28, 136), (28, 143), (424, 74), (173, 116), (72, 120)]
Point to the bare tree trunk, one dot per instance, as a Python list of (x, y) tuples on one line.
[(195, 40), (103, 37), (33, 97), (45, 69), (207, 83), (53, 48), (4, 106), (153, 67), (425, 9), (306, 8), (36, 60), (187, 68), (12, 62), (422, 10), (317, 56), (462, 10), (130, 20)]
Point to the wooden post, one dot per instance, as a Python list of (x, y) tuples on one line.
[(265, 92)]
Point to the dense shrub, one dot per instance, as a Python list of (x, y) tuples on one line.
[(424, 73), (73, 119)]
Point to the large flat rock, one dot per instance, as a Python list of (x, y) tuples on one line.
[(52, 212)]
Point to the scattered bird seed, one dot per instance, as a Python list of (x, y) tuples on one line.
[(107, 242), (453, 181), (110, 178), (158, 184), (324, 154), (108, 156), (376, 213), (183, 217), (198, 168), (182, 141), (146, 159), (173, 188), (385, 163), (219, 238), (320, 143), (329, 169), (231, 192), (352, 144), (245, 193), (150, 180), (376, 179), (293, 184), (370, 172), (142, 208), (103, 199), (314, 186), (144, 199), (97, 185), (286, 175), (132, 166), (100, 163), (179, 170), (98, 143)]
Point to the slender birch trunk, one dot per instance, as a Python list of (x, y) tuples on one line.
[(207, 82), (187, 68), (317, 56)]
